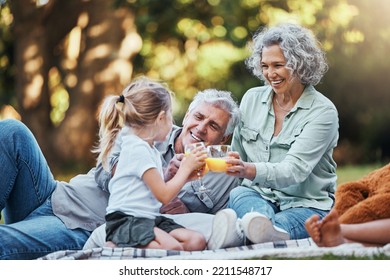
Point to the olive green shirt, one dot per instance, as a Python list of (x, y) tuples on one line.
[(295, 168)]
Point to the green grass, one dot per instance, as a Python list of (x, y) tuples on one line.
[(354, 172)]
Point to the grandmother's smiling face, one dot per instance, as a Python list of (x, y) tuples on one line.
[(273, 65)]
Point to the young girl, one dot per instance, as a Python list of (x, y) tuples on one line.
[(139, 117)]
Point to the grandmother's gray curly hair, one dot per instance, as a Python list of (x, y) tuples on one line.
[(302, 51)]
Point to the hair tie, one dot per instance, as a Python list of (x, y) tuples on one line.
[(121, 99)]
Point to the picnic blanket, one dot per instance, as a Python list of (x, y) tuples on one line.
[(297, 249)]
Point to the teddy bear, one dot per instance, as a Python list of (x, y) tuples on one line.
[(365, 199)]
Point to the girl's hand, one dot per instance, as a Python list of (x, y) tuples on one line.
[(195, 159)]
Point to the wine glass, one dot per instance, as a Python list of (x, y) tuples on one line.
[(187, 149), (216, 157)]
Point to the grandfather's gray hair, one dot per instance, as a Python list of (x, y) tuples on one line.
[(304, 57), (219, 99)]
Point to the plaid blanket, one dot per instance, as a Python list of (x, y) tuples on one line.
[(302, 248)]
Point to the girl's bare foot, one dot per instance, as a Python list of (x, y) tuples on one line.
[(330, 230), (313, 227)]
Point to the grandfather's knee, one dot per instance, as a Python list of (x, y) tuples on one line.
[(11, 128)]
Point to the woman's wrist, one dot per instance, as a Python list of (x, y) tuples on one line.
[(250, 171)]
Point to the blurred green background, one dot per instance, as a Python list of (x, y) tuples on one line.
[(59, 59)]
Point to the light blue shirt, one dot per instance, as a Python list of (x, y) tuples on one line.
[(296, 168), (128, 192)]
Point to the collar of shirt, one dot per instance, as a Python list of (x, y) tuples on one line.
[(167, 148), (304, 102)]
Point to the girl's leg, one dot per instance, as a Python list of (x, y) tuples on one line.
[(189, 239), (371, 233), (164, 240), (26, 180), (329, 232)]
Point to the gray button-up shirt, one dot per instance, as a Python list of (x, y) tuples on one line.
[(218, 185)]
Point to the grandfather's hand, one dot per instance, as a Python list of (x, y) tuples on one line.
[(175, 206), (173, 166)]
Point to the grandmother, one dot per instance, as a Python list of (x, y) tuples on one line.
[(283, 144)]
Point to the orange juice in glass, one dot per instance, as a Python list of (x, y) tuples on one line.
[(216, 157)]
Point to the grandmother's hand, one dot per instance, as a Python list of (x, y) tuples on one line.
[(239, 168), (235, 165)]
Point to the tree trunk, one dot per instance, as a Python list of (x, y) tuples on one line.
[(100, 66)]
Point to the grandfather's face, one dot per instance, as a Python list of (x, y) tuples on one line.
[(205, 123)]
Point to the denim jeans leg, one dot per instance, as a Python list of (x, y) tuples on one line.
[(26, 180), (245, 200), (39, 234), (293, 220)]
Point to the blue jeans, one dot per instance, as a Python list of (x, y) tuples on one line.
[(244, 200), (31, 230)]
